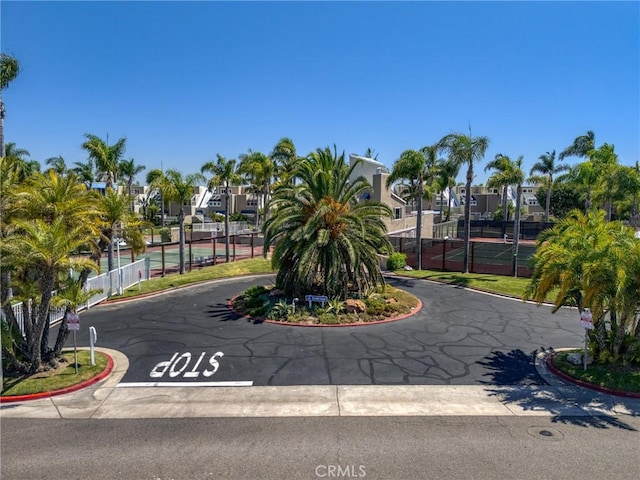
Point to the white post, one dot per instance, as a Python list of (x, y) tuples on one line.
[(93, 338), (119, 270), (75, 351)]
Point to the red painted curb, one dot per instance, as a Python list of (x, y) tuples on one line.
[(582, 383), (72, 388), (361, 324)]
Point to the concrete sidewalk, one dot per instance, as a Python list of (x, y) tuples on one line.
[(107, 400)]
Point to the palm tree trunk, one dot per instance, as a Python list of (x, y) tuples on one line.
[(2, 112), (181, 238), (467, 218), (419, 227), (449, 205), (547, 207), (516, 233), (110, 254), (226, 224)]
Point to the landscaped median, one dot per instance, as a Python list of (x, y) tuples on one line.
[(612, 378), (60, 380)]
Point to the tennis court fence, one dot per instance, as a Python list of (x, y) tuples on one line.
[(484, 257)]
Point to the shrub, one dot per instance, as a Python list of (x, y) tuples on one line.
[(396, 261), (255, 291), (165, 234), (280, 311)]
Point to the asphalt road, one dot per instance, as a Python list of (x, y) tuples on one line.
[(389, 448), (459, 337)]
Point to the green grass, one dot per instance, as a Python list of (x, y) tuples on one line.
[(504, 285), (614, 376), (223, 270), (63, 377)]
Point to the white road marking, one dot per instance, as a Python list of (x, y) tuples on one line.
[(186, 384)]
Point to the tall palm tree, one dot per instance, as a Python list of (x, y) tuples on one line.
[(446, 174), (580, 147), (178, 188), (326, 241), (24, 166), (500, 179), (9, 70), (543, 172), (286, 159), (260, 170), (606, 189), (224, 174), (57, 164), (156, 181), (128, 170), (413, 166), (370, 153), (463, 149), (106, 157)]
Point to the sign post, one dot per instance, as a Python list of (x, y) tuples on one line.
[(586, 320), (73, 324)]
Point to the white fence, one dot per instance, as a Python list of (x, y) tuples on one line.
[(109, 283), (235, 228)]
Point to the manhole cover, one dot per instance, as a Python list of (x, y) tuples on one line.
[(545, 433)]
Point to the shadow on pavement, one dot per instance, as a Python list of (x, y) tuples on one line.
[(514, 380), (223, 313)]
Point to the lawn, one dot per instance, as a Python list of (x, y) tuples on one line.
[(64, 376)]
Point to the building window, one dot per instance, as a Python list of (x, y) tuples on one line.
[(397, 213)]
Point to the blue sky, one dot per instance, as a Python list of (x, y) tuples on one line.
[(184, 81)]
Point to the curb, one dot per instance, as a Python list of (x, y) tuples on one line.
[(619, 393), (181, 287), (36, 396)]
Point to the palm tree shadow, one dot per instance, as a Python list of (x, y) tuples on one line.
[(223, 313), (514, 380)]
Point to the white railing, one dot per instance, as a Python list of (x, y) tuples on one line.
[(235, 228), (109, 284)]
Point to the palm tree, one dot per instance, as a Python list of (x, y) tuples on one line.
[(413, 166), (463, 149), (500, 179), (24, 166), (580, 147), (128, 169), (593, 264), (606, 166), (156, 181), (119, 223), (9, 70), (547, 168), (58, 164), (370, 153), (224, 174), (179, 189), (85, 172), (259, 169), (446, 173), (286, 159), (51, 218), (106, 157), (326, 241)]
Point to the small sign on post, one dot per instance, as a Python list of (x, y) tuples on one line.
[(316, 298), (73, 324), (586, 321)]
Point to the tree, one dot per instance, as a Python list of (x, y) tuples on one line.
[(259, 169), (593, 264), (23, 165), (546, 168), (156, 181), (106, 157), (413, 166), (57, 164), (564, 198), (51, 218), (85, 172), (325, 240), (500, 179), (128, 169), (286, 159), (9, 70), (580, 147), (370, 153), (446, 174), (224, 174), (463, 149), (179, 189)]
